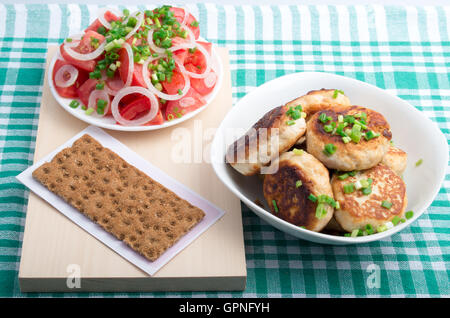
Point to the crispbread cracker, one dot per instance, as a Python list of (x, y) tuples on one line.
[(119, 197)]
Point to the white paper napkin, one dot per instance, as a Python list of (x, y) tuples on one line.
[(212, 213)]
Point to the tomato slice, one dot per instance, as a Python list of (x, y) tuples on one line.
[(109, 16), (178, 13), (190, 102), (138, 79), (71, 91), (197, 58), (88, 66), (199, 83), (139, 106), (85, 90), (84, 47), (177, 83)]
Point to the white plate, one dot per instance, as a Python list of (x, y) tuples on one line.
[(412, 132), (108, 122)]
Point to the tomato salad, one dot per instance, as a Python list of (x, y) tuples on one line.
[(142, 68)]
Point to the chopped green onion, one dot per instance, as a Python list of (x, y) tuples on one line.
[(370, 135), (298, 151), (89, 111), (312, 198), (369, 229), (419, 162), (349, 188), (386, 204), (409, 215), (346, 139), (126, 12), (382, 228), (100, 86), (275, 207), (343, 176), (194, 24), (355, 135), (329, 149), (321, 210), (349, 119), (395, 220), (337, 92), (367, 190), (328, 128), (101, 104), (74, 103), (323, 118), (290, 122), (364, 183), (352, 173), (354, 233), (68, 40), (180, 92), (298, 184)]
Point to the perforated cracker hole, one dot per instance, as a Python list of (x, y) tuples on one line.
[(46, 170), (106, 180), (99, 205)]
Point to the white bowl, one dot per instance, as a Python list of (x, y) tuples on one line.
[(108, 122), (412, 132)]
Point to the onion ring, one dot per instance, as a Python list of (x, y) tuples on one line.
[(146, 76), (135, 122), (186, 15), (140, 17), (101, 16), (210, 80), (85, 57), (61, 79), (95, 95), (186, 102)]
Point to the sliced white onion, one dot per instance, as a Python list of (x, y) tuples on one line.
[(101, 16), (186, 15), (154, 107), (113, 91), (146, 75), (186, 102), (139, 17), (208, 64), (66, 76), (85, 57), (76, 38), (95, 95), (210, 79)]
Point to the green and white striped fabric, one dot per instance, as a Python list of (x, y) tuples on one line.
[(405, 50)]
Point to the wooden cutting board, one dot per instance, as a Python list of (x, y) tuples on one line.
[(55, 249)]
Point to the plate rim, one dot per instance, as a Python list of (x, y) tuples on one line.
[(87, 119), (317, 236)]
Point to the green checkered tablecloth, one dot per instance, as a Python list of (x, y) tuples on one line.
[(405, 50)]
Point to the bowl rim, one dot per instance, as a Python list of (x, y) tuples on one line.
[(304, 233), (64, 102)]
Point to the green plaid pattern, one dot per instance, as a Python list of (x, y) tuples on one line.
[(405, 50)]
